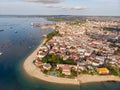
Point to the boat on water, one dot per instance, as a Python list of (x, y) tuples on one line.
[(1, 30), (32, 23), (1, 53), (44, 35), (16, 32)]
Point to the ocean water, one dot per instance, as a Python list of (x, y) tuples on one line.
[(17, 41)]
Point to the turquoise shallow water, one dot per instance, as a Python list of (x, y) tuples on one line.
[(17, 46)]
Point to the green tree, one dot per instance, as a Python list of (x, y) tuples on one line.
[(73, 72), (52, 58), (117, 52), (69, 61)]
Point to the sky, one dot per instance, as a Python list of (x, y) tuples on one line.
[(60, 7)]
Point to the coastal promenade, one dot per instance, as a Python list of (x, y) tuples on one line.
[(33, 71)]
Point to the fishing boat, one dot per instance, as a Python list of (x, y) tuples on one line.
[(1, 30), (44, 35), (16, 32), (1, 53)]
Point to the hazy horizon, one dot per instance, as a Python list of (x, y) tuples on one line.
[(60, 7)]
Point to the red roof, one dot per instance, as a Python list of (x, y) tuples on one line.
[(65, 67), (37, 58)]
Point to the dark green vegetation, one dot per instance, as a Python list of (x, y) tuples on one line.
[(72, 22), (114, 41), (77, 22), (56, 19), (113, 72), (69, 20), (114, 45), (52, 34), (113, 69), (111, 40), (55, 59), (73, 72), (117, 52), (111, 28), (33, 61), (52, 58)]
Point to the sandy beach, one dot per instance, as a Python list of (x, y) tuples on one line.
[(33, 71)]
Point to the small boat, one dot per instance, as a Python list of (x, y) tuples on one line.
[(16, 32), (44, 35), (32, 24), (11, 27), (29, 47), (1, 30), (1, 53)]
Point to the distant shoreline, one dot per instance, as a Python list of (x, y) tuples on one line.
[(33, 71)]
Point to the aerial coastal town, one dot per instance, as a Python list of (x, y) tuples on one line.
[(89, 46), (59, 44)]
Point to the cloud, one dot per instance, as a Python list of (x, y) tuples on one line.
[(67, 7), (46, 1), (74, 8)]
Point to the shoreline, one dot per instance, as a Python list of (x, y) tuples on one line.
[(33, 71)]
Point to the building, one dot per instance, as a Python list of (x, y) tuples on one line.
[(102, 71), (38, 63), (66, 69), (47, 66)]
